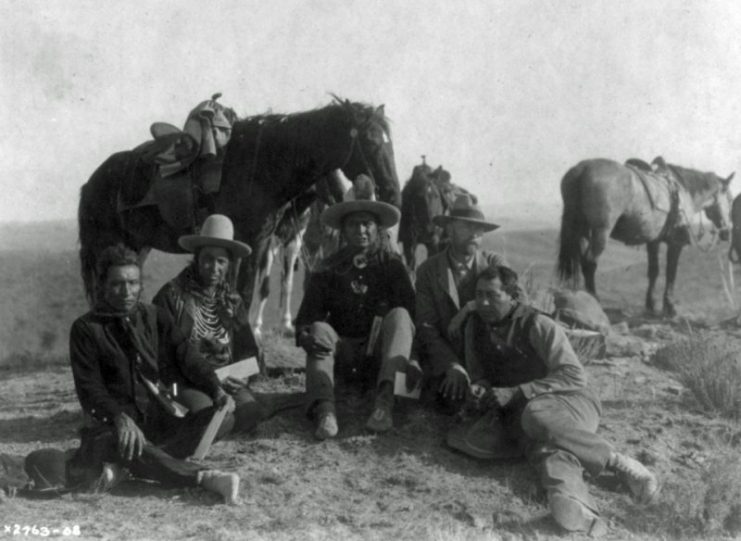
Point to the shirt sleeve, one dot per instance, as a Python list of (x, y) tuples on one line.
[(181, 352), (89, 385), (565, 372)]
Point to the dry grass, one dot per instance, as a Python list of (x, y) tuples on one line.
[(711, 368)]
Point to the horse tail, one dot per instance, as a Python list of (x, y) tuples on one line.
[(573, 226), (86, 236), (97, 218)]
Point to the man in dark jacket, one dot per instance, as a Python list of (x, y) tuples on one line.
[(119, 352), (445, 287), (355, 320)]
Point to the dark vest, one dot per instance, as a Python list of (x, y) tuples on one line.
[(508, 365)]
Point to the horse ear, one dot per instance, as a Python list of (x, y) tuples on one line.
[(729, 179), (659, 161), (380, 110)]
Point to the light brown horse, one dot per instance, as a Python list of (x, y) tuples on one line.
[(635, 206)]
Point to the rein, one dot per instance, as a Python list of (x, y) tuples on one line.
[(695, 239)]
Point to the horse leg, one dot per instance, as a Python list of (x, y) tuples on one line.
[(652, 249), (590, 251), (263, 279), (672, 262), (410, 257), (291, 252)]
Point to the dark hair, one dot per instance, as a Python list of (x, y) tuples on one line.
[(505, 275), (118, 255)]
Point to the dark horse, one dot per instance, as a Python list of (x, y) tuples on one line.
[(269, 161), (428, 193), (635, 206)]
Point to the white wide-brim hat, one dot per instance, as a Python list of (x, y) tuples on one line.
[(361, 198), (217, 230)]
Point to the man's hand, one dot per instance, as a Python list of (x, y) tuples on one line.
[(233, 385), (223, 399), (455, 383), (479, 396), (414, 374), (456, 324), (309, 342), (131, 439)]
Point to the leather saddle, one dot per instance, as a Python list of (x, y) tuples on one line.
[(167, 173)]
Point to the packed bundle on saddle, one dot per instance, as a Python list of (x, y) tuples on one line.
[(179, 171)]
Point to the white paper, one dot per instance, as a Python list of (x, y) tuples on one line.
[(240, 370), (400, 387)]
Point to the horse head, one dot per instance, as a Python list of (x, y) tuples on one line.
[(719, 209), (372, 150)]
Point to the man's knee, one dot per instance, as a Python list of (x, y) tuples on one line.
[(324, 335), (398, 317), (535, 419)]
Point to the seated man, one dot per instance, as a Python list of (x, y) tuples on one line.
[(523, 367), (359, 283), (118, 352), (445, 285)]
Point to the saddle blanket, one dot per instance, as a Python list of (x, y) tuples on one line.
[(658, 187)]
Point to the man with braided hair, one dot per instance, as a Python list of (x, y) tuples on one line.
[(362, 286)]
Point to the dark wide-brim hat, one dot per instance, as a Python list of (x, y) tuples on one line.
[(217, 230), (361, 198), (465, 210), (47, 471)]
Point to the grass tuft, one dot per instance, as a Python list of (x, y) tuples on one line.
[(710, 367)]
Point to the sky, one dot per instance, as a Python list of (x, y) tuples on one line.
[(507, 95)]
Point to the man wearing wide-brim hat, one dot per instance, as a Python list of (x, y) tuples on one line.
[(202, 302), (446, 287), (364, 281)]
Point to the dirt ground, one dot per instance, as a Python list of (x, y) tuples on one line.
[(403, 485), (406, 484)]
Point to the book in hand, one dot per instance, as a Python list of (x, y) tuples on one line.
[(400, 387), (241, 369)]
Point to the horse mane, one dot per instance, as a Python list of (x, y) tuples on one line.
[(287, 121), (695, 182)]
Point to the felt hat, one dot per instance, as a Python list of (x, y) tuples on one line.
[(465, 210), (47, 471), (217, 230), (361, 198)]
